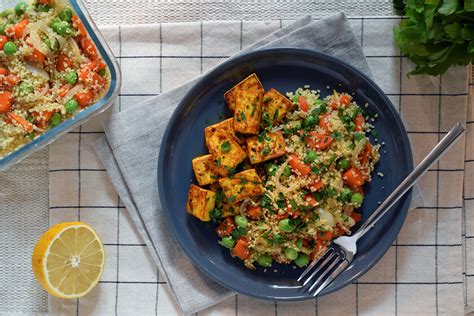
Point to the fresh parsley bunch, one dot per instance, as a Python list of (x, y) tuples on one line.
[(436, 34)]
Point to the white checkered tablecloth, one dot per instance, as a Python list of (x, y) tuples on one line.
[(422, 273)]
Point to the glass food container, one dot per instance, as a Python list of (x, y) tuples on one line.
[(81, 117)]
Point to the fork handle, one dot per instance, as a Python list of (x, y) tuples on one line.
[(449, 140)]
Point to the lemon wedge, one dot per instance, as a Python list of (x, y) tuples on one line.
[(68, 260)]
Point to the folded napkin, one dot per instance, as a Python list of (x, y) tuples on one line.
[(130, 153)]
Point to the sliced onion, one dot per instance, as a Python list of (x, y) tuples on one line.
[(73, 91), (59, 5), (35, 40), (357, 149), (45, 89), (37, 71), (76, 52), (326, 217), (243, 206)]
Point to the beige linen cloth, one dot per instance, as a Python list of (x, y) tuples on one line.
[(421, 273)]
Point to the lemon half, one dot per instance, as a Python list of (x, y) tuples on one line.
[(68, 260)]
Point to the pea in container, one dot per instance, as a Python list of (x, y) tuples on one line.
[(81, 117)]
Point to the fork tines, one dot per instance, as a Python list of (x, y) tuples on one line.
[(331, 263)]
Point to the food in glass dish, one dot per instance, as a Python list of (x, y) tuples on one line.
[(50, 70), (285, 174)]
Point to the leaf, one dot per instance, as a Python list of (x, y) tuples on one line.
[(417, 5), (453, 31), (470, 48), (469, 5), (399, 7), (448, 7), (467, 32)]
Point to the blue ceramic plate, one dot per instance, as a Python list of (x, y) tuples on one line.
[(284, 69)]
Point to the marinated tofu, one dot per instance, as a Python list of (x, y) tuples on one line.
[(245, 100), (275, 107), (227, 125), (242, 185), (200, 202), (265, 146), (225, 150), (205, 170)]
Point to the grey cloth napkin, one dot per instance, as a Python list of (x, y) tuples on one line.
[(130, 149)]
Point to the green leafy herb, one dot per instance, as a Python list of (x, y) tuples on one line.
[(435, 34), (225, 147)]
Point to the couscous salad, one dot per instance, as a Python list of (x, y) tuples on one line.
[(284, 175), (49, 70)]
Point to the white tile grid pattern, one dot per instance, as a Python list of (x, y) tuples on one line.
[(418, 274)]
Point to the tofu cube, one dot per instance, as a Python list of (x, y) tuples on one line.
[(275, 107), (225, 150), (227, 125), (265, 146), (200, 202), (205, 170), (245, 100), (242, 185)]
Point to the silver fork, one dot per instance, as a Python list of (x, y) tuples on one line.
[(342, 250)]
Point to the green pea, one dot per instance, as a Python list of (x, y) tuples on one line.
[(71, 106), (359, 136), (264, 260), (52, 46), (62, 28), (271, 169), (66, 14), (342, 164), (310, 156), (21, 7), (357, 198), (346, 195), (71, 77), (241, 221), (291, 253), (286, 171), (228, 242), (9, 48), (309, 121), (102, 72), (56, 119), (43, 8), (6, 13), (285, 225), (26, 88), (302, 260)]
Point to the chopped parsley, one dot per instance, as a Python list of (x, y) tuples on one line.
[(267, 150), (225, 147)]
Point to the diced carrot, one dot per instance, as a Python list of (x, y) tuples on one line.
[(3, 71), (333, 105), (282, 215), (359, 122), (27, 126), (316, 185), (36, 56), (226, 227), (84, 98), (63, 90), (5, 101), (12, 80), (89, 48), (3, 40), (303, 103), (63, 62), (310, 199), (254, 211), (327, 235), (44, 2), (297, 165), (317, 248), (323, 123), (318, 141), (79, 26), (17, 30), (345, 99), (42, 118), (353, 177), (241, 249), (356, 217)]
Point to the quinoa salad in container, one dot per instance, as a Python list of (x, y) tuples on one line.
[(50, 70), (284, 176)]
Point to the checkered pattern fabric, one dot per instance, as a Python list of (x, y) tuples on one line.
[(421, 273)]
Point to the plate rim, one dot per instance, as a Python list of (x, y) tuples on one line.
[(230, 63)]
